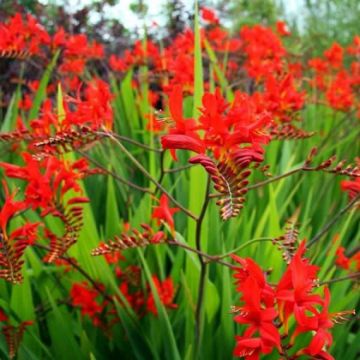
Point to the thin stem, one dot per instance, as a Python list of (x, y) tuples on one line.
[(162, 170), (203, 267), (128, 140), (180, 168), (278, 177), (270, 180), (342, 278), (211, 258), (71, 262), (114, 175), (333, 221), (154, 181), (241, 247), (275, 178)]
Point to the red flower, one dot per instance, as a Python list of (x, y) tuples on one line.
[(282, 97), (184, 142), (13, 245), (117, 64), (282, 28), (352, 263), (319, 65), (249, 269), (251, 348), (166, 293), (213, 119), (26, 233), (9, 209), (321, 335), (135, 299), (84, 297), (23, 34), (335, 55), (257, 311), (351, 186), (3, 317), (341, 260), (183, 135), (220, 41), (209, 15), (355, 259), (59, 38), (223, 127), (164, 213), (339, 94), (293, 292), (258, 318), (264, 51), (48, 180)]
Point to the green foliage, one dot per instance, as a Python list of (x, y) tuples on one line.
[(250, 12), (326, 21)]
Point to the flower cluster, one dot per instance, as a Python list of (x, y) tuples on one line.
[(102, 311), (20, 35), (53, 189), (275, 315), (142, 300), (337, 81), (352, 187), (345, 262), (13, 334), (14, 243), (224, 126)]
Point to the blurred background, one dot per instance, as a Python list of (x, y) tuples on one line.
[(118, 22)]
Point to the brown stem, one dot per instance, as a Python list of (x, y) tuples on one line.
[(304, 167), (113, 174), (128, 140), (275, 178), (180, 168), (268, 181), (210, 258), (162, 170), (342, 278), (154, 181), (203, 268)]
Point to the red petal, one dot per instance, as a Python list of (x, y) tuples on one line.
[(176, 141)]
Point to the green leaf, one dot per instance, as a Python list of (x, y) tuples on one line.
[(171, 348), (41, 92)]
